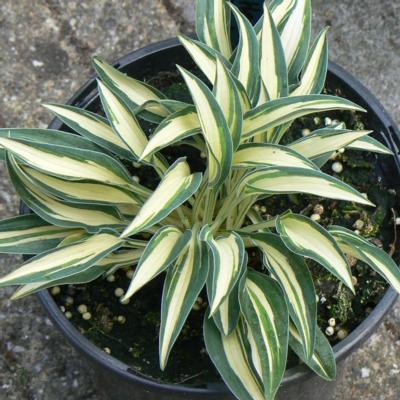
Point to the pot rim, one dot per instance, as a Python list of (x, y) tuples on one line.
[(293, 375)]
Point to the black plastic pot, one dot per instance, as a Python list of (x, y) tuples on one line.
[(120, 381)]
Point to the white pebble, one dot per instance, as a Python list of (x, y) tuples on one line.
[(135, 178), (107, 350), (305, 132), (110, 278), (202, 155), (342, 150), (317, 120), (119, 292), (68, 314), (328, 121), (341, 334), (137, 165), (196, 307), (319, 209), (337, 167), (357, 232), (129, 273), (359, 224), (397, 221), (354, 280), (121, 319), (323, 299), (62, 308), (329, 331), (69, 300), (256, 207), (55, 290), (332, 322), (263, 209), (82, 309), (86, 316), (315, 217)]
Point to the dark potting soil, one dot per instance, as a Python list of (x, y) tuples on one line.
[(130, 331)]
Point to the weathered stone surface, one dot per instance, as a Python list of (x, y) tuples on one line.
[(45, 50)]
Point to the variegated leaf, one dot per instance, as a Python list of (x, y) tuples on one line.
[(49, 136), (214, 128), (295, 36), (163, 248), (60, 263), (280, 9), (182, 285), (307, 238), (360, 248), (29, 234), (226, 317), (322, 361), (280, 111), (232, 357), (368, 143), (280, 180), (246, 63), (265, 155), (177, 126), (69, 163), (292, 273), (80, 191), (105, 265), (135, 93), (175, 188), (273, 68), (313, 75), (90, 217), (123, 121), (92, 126), (212, 25), (326, 140), (264, 308), (226, 266), (228, 97)]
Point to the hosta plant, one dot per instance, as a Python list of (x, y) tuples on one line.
[(91, 216)]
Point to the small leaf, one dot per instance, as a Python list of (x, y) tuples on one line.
[(134, 93), (174, 189), (266, 155), (212, 25), (231, 356), (214, 128), (182, 285), (226, 262), (265, 311), (315, 68), (228, 97), (280, 111), (29, 234), (246, 64), (360, 248), (281, 180), (177, 126), (293, 275), (273, 68), (123, 121), (59, 263), (69, 163), (326, 140), (307, 238), (92, 126), (163, 248), (368, 143), (295, 36), (322, 361), (90, 217)]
